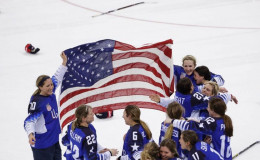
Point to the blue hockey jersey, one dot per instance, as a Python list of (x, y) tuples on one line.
[(43, 118), (134, 142), (180, 73), (175, 137), (214, 127), (203, 151), (82, 144)]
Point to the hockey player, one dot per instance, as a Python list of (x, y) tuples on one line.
[(137, 136), (174, 111), (187, 70), (151, 151), (191, 100), (42, 124), (198, 150), (31, 49), (81, 138), (168, 150), (218, 126)]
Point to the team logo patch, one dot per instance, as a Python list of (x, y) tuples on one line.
[(48, 107)]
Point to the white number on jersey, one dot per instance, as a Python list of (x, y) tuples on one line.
[(32, 105), (222, 149), (195, 156), (91, 139), (75, 149), (210, 120), (134, 136)]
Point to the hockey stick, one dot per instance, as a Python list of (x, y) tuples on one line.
[(245, 149), (117, 9)]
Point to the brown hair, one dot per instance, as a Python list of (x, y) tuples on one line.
[(134, 112), (184, 86), (189, 57), (190, 136), (174, 111), (171, 145), (217, 105), (39, 83), (81, 112), (151, 151)]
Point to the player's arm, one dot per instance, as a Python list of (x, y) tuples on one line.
[(226, 97), (206, 126), (218, 79), (30, 121), (60, 72)]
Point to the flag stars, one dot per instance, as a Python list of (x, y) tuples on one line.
[(107, 61), (109, 45), (96, 65), (98, 75), (102, 68), (92, 72)]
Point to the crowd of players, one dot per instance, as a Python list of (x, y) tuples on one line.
[(196, 125)]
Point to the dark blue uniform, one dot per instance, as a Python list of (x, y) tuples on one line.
[(214, 127), (134, 142), (82, 144), (203, 151)]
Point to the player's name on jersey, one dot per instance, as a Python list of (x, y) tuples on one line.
[(75, 136)]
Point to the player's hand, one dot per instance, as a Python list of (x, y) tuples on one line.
[(155, 98), (222, 90), (233, 98), (64, 58), (114, 152), (103, 150), (31, 139)]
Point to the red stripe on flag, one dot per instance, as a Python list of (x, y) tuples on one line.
[(127, 78), (116, 106), (107, 95), (152, 56)]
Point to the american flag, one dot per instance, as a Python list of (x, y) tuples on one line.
[(110, 75)]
